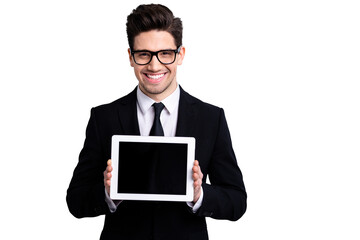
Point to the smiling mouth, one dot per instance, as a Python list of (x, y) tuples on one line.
[(154, 78)]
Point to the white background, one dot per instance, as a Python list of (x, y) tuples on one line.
[(286, 72)]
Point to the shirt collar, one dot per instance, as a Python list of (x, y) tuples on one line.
[(171, 102)]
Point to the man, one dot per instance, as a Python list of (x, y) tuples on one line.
[(155, 40)]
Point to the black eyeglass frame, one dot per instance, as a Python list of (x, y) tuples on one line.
[(155, 54)]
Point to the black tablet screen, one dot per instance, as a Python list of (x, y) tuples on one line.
[(152, 168)]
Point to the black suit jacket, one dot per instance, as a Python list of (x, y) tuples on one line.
[(225, 198)]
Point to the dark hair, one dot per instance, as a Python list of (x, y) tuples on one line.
[(153, 17)]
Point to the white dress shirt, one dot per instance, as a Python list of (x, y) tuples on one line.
[(168, 119)]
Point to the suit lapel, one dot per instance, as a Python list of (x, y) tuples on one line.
[(186, 116), (128, 114)]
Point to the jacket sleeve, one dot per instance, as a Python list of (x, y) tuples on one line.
[(86, 195), (226, 197)]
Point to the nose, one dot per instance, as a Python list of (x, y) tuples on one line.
[(154, 65)]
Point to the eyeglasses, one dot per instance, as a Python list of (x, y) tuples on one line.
[(143, 57)]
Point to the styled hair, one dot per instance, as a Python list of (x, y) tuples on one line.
[(153, 17)]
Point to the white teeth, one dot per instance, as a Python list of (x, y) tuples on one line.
[(155, 76)]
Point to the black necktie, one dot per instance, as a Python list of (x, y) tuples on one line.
[(157, 129)]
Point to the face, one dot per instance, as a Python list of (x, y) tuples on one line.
[(156, 80)]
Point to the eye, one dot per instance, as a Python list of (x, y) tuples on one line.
[(166, 53), (142, 55)]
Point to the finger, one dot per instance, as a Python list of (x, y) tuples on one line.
[(197, 184), (108, 176), (109, 162), (109, 168), (201, 175), (195, 176), (195, 169), (199, 172), (108, 182)]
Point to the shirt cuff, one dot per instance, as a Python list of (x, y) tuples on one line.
[(198, 204), (111, 204)]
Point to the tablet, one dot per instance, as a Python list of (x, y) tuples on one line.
[(152, 168)]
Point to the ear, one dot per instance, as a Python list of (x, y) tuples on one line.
[(181, 56), (130, 58)]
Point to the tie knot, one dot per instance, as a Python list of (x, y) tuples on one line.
[(158, 108)]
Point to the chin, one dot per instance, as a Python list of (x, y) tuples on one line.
[(154, 89)]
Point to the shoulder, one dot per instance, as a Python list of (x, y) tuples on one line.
[(129, 99), (198, 104)]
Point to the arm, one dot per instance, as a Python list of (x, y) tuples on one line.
[(226, 197), (86, 195)]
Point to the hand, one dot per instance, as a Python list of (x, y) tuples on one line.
[(197, 177), (107, 176)]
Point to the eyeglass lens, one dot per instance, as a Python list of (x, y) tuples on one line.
[(165, 57)]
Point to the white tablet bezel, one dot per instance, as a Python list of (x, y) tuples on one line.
[(188, 197)]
